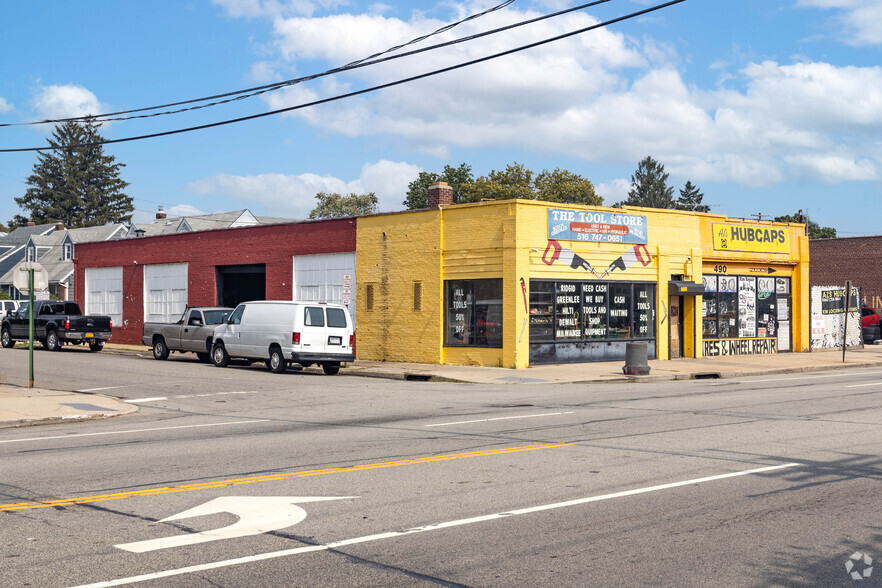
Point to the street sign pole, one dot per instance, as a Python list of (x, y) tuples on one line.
[(845, 319), (31, 329)]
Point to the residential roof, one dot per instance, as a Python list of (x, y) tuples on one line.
[(202, 222)]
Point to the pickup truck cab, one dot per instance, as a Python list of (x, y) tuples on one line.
[(56, 322), (192, 332), (279, 332)]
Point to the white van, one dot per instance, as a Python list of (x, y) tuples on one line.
[(279, 331), (8, 307)]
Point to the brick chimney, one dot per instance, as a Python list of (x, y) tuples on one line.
[(59, 226), (160, 215), (440, 194), (30, 224)]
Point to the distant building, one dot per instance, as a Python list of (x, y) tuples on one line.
[(163, 225)]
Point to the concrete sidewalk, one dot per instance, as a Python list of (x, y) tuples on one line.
[(23, 406)]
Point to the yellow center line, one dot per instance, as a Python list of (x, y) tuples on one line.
[(272, 477)]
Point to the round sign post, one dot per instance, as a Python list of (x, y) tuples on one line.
[(28, 276)]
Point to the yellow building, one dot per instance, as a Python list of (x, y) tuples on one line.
[(518, 282)]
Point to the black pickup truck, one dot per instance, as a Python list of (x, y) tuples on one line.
[(56, 322)]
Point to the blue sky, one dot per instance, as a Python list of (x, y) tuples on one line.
[(768, 107)]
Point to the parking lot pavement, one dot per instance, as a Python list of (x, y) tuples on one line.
[(22, 405)]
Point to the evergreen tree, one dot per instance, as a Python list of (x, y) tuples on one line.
[(336, 206), (418, 190), (649, 187), (690, 199), (812, 229), (75, 182)]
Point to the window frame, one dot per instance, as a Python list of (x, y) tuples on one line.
[(473, 314)]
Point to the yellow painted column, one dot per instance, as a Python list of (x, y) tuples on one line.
[(662, 340), (800, 321), (695, 274), (516, 267)]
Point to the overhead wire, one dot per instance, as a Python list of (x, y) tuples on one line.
[(365, 90), (257, 90)]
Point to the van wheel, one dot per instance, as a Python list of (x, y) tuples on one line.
[(203, 356), (52, 342), (219, 355), (277, 363), (160, 349), (331, 369), (6, 339)]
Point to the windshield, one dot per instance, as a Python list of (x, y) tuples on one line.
[(216, 317)]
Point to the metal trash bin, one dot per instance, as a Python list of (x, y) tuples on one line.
[(636, 359)]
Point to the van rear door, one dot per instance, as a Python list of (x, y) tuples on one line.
[(337, 331), (312, 338)]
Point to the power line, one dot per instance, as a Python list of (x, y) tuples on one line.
[(255, 91), (363, 91)]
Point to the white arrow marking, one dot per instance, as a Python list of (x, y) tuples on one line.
[(257, 514)]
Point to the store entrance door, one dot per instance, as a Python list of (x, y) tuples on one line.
[(675, 326)]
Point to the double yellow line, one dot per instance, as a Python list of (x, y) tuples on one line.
[(271, 478)]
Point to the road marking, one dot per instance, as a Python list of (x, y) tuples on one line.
[(132, 431), (182, 396), (862, 385), (257, 515), (526, 416), (105, 388), (435, 527), (273, 477)]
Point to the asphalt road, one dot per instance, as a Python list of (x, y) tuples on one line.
[(240, 477)]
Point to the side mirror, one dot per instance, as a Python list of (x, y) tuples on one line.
[(196, 322)]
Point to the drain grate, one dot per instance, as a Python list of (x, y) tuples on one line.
[(706, 376)]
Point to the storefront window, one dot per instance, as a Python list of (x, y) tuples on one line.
[(644, 311), (541, 311), (746, 306), (474, 313), (594, 310), (709, 308), (620, 311), (567, 313), (765, 308), (727, 305)]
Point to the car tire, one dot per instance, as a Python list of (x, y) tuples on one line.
[(219, 356), (52, 341), (6, 339), (331, 369), (277, 363), (203, 356), (96, 346), (160, 349)]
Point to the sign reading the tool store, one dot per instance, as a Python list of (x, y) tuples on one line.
[(595, 226), (762, 239)]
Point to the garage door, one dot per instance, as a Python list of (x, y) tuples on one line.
[(165, 292), (326, 277), (104, 292)]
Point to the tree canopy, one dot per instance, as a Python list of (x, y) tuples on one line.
[(75, 182), (515, 181), (336, 206), (690, 199), (649, 186), (418, 190), (812, 229)]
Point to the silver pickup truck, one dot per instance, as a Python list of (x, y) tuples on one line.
[(193, 332)]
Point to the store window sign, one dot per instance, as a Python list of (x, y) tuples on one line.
[(761, 239), (596, 227)]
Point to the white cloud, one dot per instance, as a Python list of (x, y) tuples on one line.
[(5, 107), (859, 19), (294, 195), (65, 101), (179, 210), (273, 8), (613, 191)]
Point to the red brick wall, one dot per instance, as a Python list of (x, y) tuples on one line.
[(859, 259), (272, 245)]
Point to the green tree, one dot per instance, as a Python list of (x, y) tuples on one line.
[(649, 186), (75, 182), (690, 199), (516, 181), (812, 229), (336, 206), (456, 178)]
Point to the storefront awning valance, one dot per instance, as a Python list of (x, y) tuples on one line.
[(683, 288)]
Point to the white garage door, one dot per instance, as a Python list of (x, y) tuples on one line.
[(326, 277), (165, 292), (104, 293)]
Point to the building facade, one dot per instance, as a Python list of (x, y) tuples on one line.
[(855, 259), (516, 283), (151, 279)]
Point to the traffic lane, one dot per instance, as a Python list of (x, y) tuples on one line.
[(731, 531)]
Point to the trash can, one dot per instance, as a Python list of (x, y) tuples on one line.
[(636, 359)]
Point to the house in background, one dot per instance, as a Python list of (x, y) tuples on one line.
[(53, 247), (163, 225)]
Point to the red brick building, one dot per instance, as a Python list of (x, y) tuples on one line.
[(859, 259), (154, 278)]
